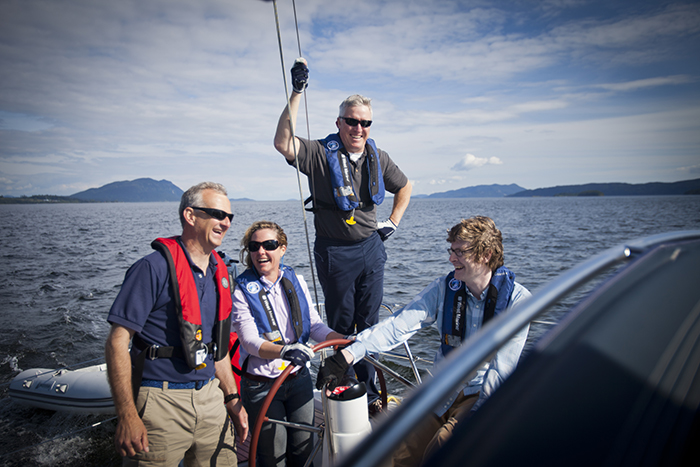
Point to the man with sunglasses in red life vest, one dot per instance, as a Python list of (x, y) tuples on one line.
[(174, 390), (348, 176)]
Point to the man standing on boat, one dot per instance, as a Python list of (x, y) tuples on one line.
[(348, 176), (459, 303), (174, 391)]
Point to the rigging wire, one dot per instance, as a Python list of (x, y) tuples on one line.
[(306, 114), (306, 104), (294, 145)]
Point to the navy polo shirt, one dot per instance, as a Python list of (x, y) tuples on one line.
[(144, 305)]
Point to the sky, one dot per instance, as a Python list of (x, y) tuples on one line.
[(533, 92)]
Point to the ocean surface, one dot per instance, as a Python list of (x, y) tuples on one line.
[(62, 266)]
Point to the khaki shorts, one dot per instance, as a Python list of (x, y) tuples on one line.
[(432, 433), (185, 424)]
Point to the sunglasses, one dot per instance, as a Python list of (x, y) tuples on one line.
[(355, 122), (268, 245), (215, 213)]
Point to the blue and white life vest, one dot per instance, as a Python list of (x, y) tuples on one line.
[(341, 178), (261, 308), (454, 316)]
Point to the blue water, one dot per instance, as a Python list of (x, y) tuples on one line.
[(62, 266)]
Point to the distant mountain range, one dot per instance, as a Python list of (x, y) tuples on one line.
[(479, 191), (589, 189), (147, 189), (616, 189), (141, 189)]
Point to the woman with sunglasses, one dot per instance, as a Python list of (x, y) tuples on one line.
[(275, 317)]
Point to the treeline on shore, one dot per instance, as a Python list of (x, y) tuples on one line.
[(36, 199)]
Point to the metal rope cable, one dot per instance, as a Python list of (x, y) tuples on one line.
[(291, 128)]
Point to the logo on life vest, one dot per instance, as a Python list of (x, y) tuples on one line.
[(455, 284), (198, 335), (253, 287), (333, 145), (224, 282)]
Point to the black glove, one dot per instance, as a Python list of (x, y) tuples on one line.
[(386, 229), (331, 371), (300, 75), (299, 354)]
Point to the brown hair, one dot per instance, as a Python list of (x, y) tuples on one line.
[(254, 227), (483, 238)]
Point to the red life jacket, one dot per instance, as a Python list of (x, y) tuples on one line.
[(234, 351), (186, 301)]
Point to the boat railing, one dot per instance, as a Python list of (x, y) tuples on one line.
[(407, 356), (463, 362)]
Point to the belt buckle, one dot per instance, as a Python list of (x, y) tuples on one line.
[(152, 352), (200, 384)]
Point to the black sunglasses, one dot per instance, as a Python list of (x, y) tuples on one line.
[(355, 122), (269, 245), (215, 213)]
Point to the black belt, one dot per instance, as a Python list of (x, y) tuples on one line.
[(265, 379), (153, 352)]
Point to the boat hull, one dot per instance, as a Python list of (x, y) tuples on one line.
[(78, 391)]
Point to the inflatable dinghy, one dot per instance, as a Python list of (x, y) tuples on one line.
[(85, 390)]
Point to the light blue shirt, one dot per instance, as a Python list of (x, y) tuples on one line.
[(425, 310)]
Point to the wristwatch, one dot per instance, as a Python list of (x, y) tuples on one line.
[(231, 397)]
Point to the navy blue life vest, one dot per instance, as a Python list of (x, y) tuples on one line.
[(341, 178), (261, 308), (454, 316)]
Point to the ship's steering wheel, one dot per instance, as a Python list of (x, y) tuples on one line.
[(262, 416)]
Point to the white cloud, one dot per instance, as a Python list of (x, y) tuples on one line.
[(94, 92), (647, 83), (470, 161), (693, 169)]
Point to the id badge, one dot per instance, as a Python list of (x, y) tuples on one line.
[(274, 336), (199, 356)]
